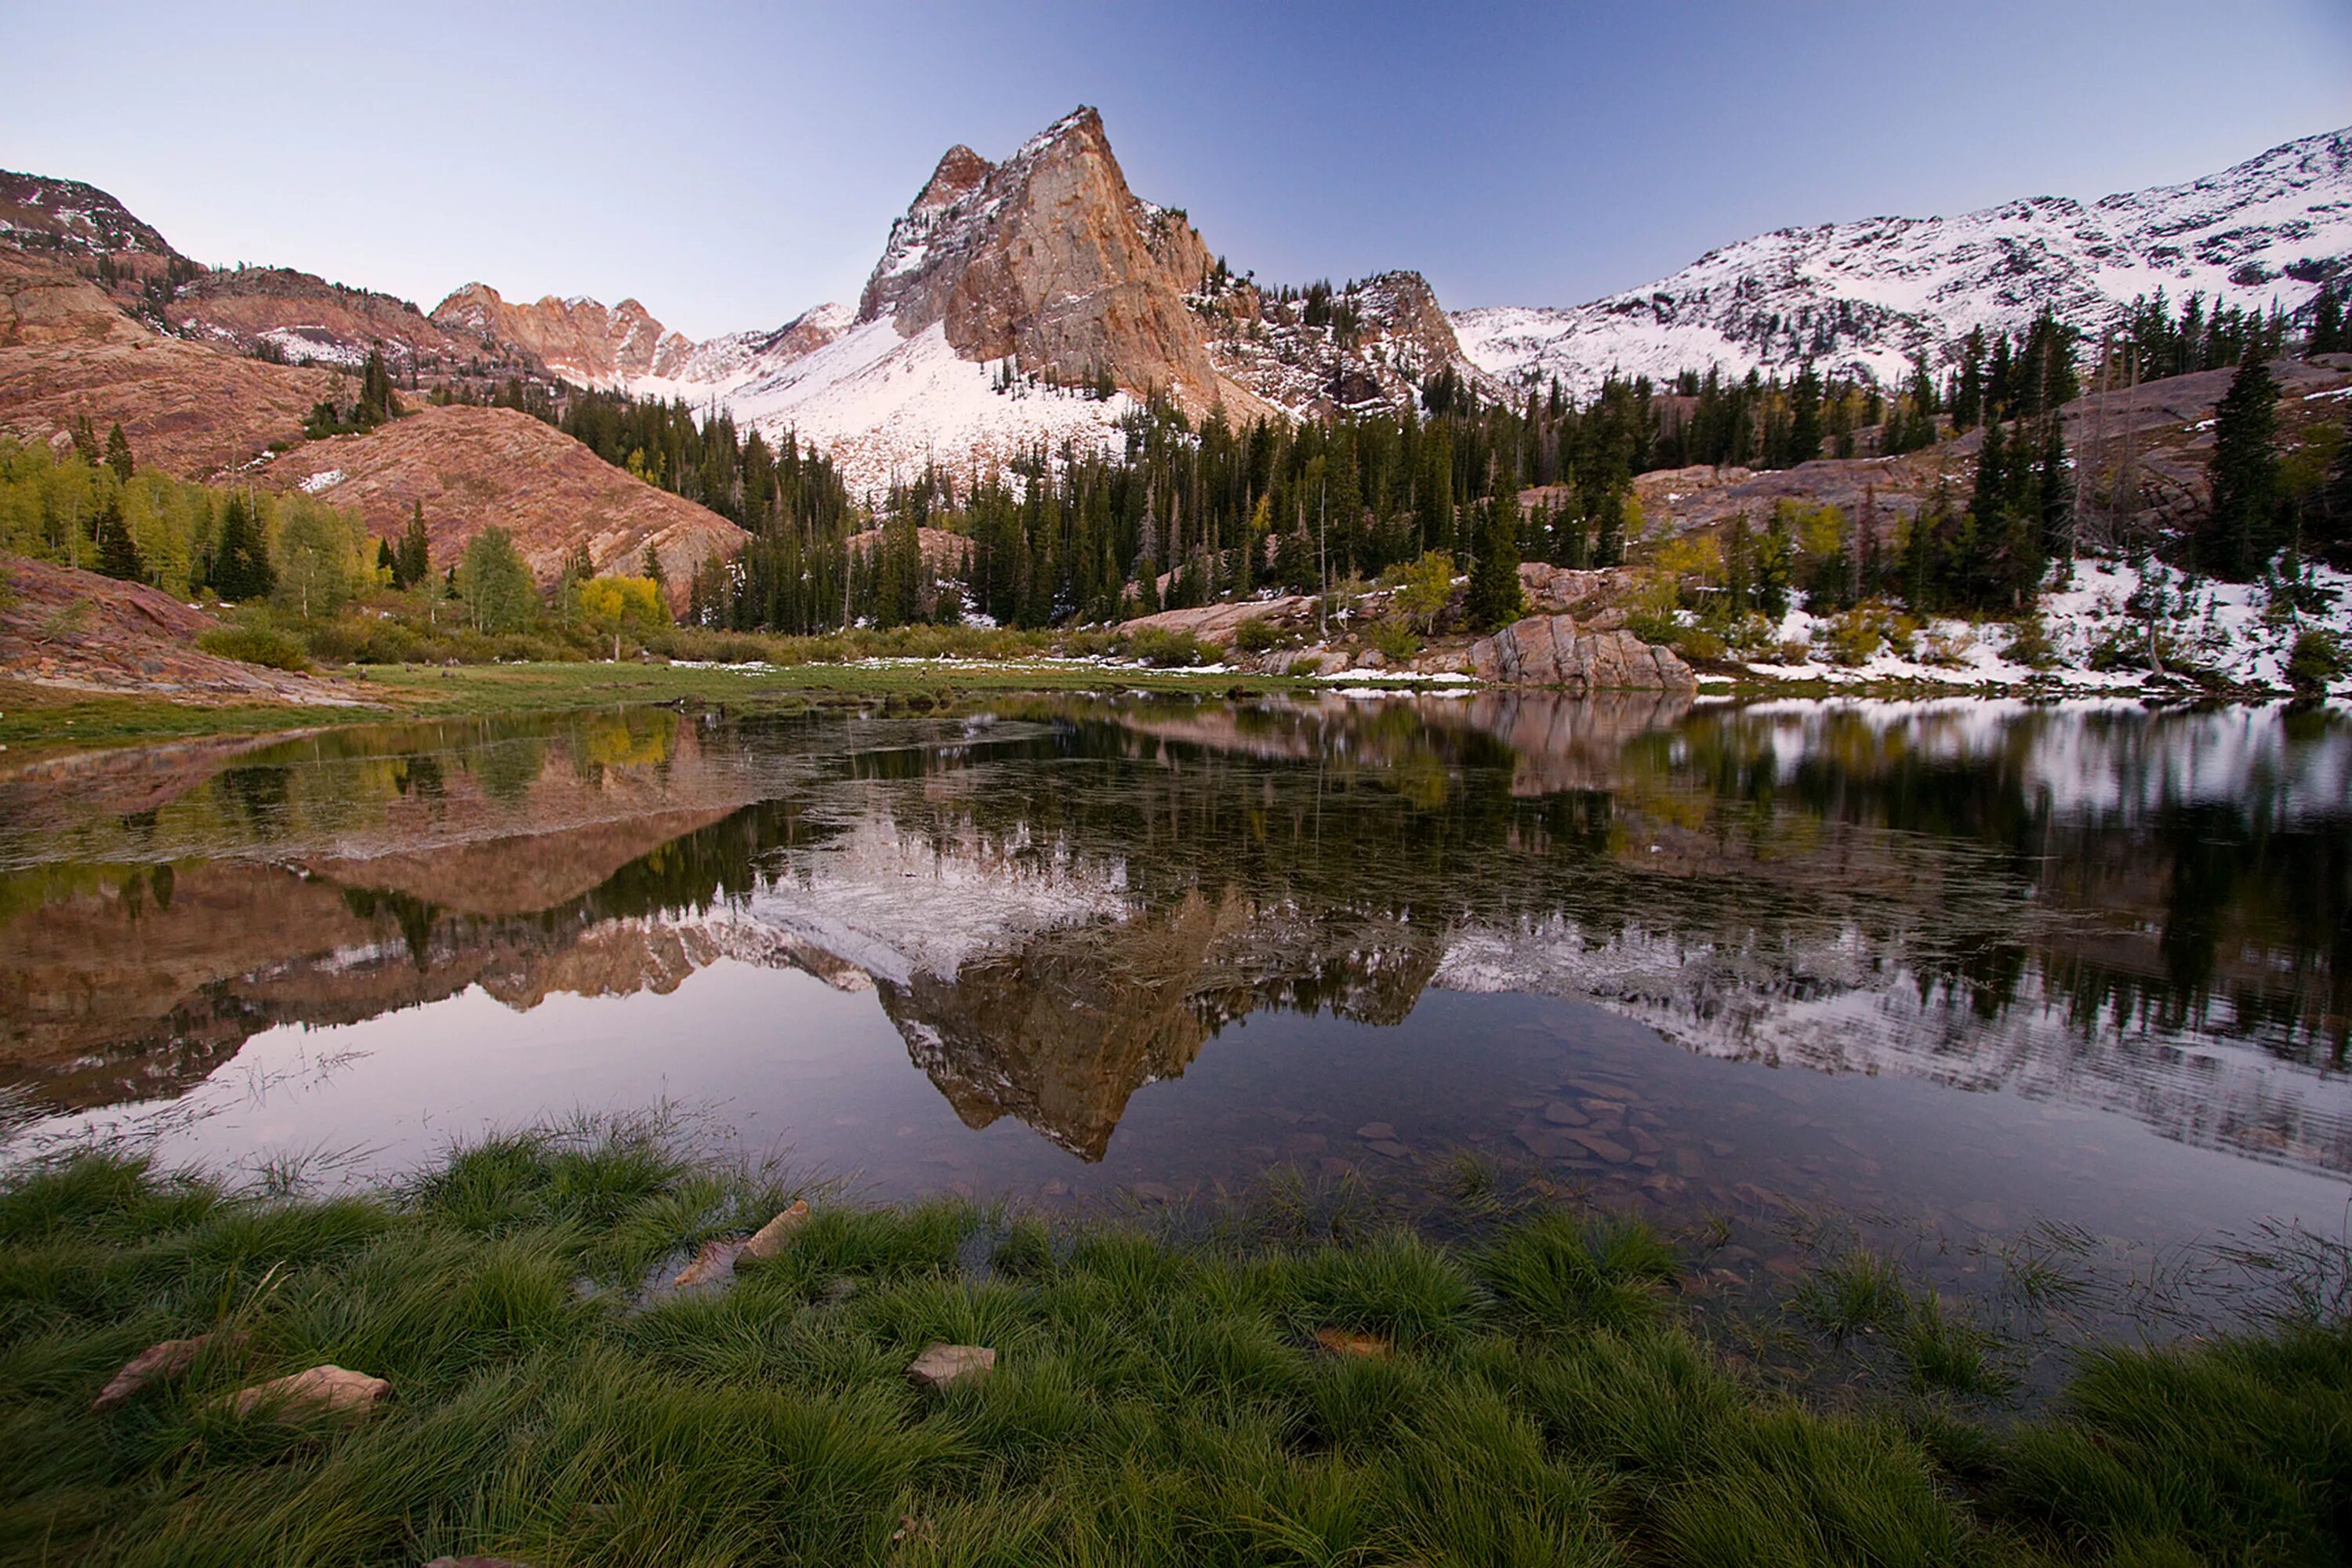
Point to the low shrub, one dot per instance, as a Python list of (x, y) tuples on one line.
[(263, 645), (1855, 636), (1165, 649), (1699, 644), (1656, 626), (2317, 659), (2030, 645), (1258, 635), (1394, 638)]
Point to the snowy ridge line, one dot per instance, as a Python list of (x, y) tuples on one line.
[(1863, 297)]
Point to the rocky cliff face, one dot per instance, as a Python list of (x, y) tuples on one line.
[(1367, 348), (1048, 258), (579, 339)]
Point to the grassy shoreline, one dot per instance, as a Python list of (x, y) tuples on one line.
[(34, 716), (1544, 1390)]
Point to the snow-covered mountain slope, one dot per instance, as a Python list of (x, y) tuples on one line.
[(1867, 295), (885, 406)]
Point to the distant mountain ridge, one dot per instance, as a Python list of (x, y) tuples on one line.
[(1038, 301), (1864, 297)]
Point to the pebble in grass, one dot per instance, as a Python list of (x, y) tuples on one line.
[(773, 1238), (1344, 1341), (943, 1366), (330, 1388), (159, 1364)]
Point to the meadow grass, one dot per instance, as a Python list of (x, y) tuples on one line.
[(1161, 1396), (32, 715)]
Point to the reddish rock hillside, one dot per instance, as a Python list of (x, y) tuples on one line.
[(66, 350), (578, 339), (82, 632), (473, 468), (303, 316)]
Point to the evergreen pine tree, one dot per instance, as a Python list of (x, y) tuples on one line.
[(241, 569), (1738, 565), (412, 564), (1494, 599), (118, 452), (2240, 528), (1805, 416), (1968, 395), (386, 562), (2329, 534), (377, 403), (118, 553)]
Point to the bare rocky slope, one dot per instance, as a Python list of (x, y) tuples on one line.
[(473, 468), (68, 349), (81, 632)]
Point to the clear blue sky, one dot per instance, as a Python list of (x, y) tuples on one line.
[(732, 165)]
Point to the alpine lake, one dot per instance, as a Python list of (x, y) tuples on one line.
[(2051, 1001)]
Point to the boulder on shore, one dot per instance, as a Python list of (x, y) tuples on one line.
[(1546, 650)]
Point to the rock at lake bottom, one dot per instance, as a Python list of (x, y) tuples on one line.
[(1546, 650), (715, 1261), (777, 1234), (331, 1388), (942, 1367), (157, 1364)]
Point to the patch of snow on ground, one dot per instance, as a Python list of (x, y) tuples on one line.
[(321, 481), (2228, 629)]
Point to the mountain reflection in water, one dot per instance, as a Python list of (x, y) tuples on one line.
[(1060, 901)]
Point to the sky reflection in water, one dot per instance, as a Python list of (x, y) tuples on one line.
[(1953, 967)]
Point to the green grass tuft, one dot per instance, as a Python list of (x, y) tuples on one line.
[(1541, 1400)]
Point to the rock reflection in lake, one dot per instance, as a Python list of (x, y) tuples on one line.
[(1449, 919)]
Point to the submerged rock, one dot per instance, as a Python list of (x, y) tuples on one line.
[(773, 1238), (942, 1367), (715, 1261)]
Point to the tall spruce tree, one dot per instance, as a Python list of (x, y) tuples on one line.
[(413, 563), (2240, 528), (118, 553), (1494, 599), (118, 452), (2328, 535), (241, 568)]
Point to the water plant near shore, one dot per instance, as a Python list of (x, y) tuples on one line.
[(1528, 1390)]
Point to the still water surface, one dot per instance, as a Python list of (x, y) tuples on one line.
[(1956, 970)]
